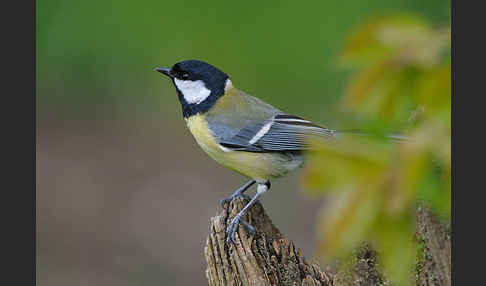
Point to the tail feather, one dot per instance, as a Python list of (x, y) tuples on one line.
[(393, 137), (397, 137)]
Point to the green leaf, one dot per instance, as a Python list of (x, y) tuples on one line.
[(344, 223), (378, 39), (347, 161)]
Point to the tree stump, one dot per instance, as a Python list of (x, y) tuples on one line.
[(434, 265), (266, 258)]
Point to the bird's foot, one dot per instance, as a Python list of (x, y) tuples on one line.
[(238, 193), (228, 200), (233, 228)]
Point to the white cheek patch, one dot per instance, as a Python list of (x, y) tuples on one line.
[(194, 92)]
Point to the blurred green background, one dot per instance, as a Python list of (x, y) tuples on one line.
[(124, 194)]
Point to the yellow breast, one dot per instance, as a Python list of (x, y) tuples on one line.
[(258, 166)]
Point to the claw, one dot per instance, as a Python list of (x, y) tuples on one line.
[(233, 228), (250, 228), (228, 200)]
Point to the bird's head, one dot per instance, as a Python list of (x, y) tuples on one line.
[(198, 85)]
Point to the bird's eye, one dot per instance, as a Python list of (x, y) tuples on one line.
[(185, 75)]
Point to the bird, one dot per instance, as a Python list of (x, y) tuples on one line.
[(240, 131)]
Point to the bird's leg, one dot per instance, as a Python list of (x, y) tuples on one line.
[(233, 226), (238, 193)]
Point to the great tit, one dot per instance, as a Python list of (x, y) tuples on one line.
[(239, 131)]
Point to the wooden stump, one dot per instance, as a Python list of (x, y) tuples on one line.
[(264, 259), (268, 258), (434, 266)]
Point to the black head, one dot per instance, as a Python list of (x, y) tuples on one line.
[(198, 85)]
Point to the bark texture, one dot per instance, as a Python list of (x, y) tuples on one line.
[(264, 259), (434, 265), (364, 270), (268, 258)]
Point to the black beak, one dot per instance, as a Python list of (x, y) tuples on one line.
[(165, 71)]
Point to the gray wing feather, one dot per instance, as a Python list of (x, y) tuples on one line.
[(243, 116), (286, 133), (241, 141), (237, 127)]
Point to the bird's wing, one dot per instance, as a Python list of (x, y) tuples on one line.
[(282, 132), (236, 111)]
